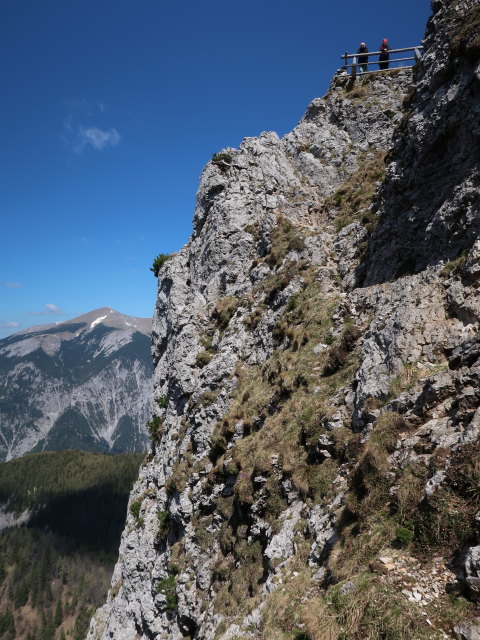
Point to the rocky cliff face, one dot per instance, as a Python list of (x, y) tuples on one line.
[(314, 467), (83, 384), (431, 194)]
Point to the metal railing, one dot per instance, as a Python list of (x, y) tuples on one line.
[(353, 67)]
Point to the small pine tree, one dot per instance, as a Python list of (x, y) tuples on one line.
[(7, 623), (155, 431), (159, 262), (58, 617)]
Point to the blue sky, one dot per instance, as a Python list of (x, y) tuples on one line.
[(109, 110)]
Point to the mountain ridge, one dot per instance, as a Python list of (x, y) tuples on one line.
[(81, 383)]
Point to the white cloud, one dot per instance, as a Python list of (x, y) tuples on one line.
[(52, 308), (49, 310), (12, 285), (9, 325), (97, 138), (79, 136)]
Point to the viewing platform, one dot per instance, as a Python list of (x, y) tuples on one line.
[(353, 67)]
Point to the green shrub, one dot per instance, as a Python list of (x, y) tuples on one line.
[(135, 511), (337, 357), (163, 524), (404, 536), (167, 588), (135, 508), (218, 445), (222, 160), (177, 480), (162, 402), (443, 521), (329, 339), (154, 428), (223, 156), (292, 304), (159, 262), (301, 635), (446, 520)]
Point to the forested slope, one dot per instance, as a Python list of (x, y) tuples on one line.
[(55, 569)]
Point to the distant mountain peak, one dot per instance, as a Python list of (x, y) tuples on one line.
[(83, 383), (68, 328)]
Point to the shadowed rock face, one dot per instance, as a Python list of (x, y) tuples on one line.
[(83, 384), (307, 421), (431, 196)]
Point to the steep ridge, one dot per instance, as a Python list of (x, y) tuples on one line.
[(84, 384), (314, 464)]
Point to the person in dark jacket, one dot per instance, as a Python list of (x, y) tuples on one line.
[(362, 60), (384, 57)]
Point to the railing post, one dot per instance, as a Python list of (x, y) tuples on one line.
[(354, 67), (418, 55), (346, 60)]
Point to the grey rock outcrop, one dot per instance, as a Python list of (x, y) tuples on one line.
[(238, 205), (472, 569), (84, 384), (297, 355), (467, 631)]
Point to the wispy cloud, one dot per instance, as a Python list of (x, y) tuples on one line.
[(85, 107), (80, 136), (98, 139), (9, 325), (48, 310), (12, 285)]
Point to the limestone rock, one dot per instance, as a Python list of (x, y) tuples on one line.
[(467, 631), (395, 312)]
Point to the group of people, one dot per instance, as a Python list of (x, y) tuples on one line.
[(383, 58)]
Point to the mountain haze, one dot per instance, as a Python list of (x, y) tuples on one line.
[(84, 383)]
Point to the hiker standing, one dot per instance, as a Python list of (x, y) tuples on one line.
[(362, 59), (384, 57)]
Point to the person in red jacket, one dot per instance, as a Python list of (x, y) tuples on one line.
[(384, 57)]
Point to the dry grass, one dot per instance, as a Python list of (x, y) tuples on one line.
[(406, 380), (177, 481), (281, 419), (284, 237), (224, 311), (454, 267), (466, 40), (410, 490), (353, 198), (362, 609)]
